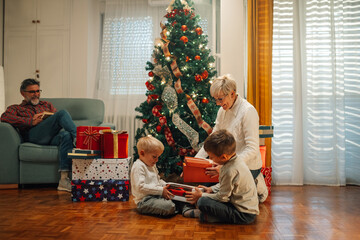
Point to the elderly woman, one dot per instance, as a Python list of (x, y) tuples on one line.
[(240, 118)]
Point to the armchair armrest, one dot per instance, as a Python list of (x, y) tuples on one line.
[(9, 149)]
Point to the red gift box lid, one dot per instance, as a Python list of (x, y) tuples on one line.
[(197, 162)]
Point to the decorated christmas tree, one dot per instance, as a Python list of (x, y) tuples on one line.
[(179, 110)]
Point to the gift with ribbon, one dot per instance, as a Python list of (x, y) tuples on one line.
[(114, 144), (88, 137)]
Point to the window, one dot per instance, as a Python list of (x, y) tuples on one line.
[(128, 42), (316, 92)]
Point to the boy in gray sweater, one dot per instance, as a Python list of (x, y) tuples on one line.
[(234, 199)]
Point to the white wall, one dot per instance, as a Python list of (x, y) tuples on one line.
[(233, 41)]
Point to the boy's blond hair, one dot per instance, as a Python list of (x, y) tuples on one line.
[(224, 84), (149, 144), (220, 142)]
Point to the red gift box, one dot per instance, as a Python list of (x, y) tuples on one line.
[(266, 171), (114, 144), (194, 170), (88, 137)]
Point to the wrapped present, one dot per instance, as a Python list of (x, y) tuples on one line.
[(266, 171), (263, 154), (88, 137), (99, 190), (84, 153), (114, 144), (265, 132), (194, 170), (179, 190), (100, 169)]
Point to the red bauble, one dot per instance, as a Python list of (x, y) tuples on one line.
[(184, 28), (145, 120), (151, 74), (198, 78), (198, 30), (149, 86), (158, 128), (205, 100), (205, 74), (184, 39), (197, 57), (187, 59)]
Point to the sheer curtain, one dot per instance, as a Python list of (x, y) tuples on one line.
[(316, 92), (130, 28)]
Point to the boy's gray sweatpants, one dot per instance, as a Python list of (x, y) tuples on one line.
[(156, 205)]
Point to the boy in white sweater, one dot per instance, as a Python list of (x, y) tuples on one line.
[(150, 192), (234, 199)]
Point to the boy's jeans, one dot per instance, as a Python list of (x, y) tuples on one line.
[(48, 133), (223, 212)]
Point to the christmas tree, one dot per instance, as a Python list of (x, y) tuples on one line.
[(179, 110)]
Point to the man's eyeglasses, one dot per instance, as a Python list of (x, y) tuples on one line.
[(34, 91)]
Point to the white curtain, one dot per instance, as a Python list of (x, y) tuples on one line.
[(130, 28), (316, 92)]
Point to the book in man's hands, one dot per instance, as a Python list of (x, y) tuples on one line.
[(46, 114)]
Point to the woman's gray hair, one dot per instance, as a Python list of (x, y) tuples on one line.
[(223, 84)]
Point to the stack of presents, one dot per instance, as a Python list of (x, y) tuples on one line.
[(100, 165)]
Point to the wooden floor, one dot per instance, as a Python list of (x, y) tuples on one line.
[(309, 212)]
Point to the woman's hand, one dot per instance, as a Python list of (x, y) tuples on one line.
[(166, 194), (213, 171)]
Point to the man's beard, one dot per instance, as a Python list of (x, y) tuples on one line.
[(34, 101)]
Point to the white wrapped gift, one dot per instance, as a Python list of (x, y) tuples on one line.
[(100, 169)]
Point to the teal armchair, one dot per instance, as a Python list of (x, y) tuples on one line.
[(28, 163)]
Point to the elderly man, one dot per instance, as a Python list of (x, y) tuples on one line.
[(28, 118)]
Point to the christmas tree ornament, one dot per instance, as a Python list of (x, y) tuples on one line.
[(149, 86), (197, 57), (151, 74), (205, 74), (158, 128), (198, 31), (184, 28), (205, 100), (169, 96), (162, 72), (184, 39), (187, 59), (198, 78), (144, 120)]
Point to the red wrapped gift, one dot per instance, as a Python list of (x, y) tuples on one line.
[(266, 171), (114, 144), (194, 170), (88, 137)]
